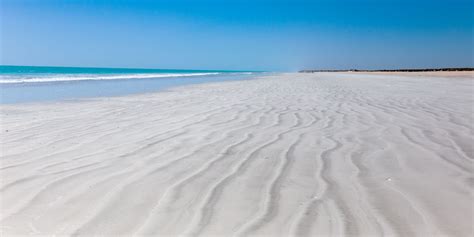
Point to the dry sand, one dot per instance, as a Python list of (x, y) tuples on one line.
[(286, 155)]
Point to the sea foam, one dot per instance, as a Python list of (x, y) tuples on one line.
[(66, 77)]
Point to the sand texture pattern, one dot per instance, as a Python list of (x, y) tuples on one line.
[(285, 155)]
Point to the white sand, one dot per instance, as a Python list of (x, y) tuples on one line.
[(288, 155)]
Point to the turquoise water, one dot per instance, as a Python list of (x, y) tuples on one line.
[(20, 84), (90, 70)]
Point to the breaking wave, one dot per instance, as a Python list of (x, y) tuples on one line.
[(66, 78)]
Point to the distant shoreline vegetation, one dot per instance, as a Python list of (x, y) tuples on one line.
[(393, 70)]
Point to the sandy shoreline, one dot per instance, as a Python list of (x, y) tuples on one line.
[(446, 74), (285, 155)]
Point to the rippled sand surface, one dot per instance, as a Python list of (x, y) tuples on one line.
[(285, 155)]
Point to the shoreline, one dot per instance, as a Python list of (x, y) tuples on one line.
[(448, 74), (286, 154), (46, 91), (440, 72), (447, 69), (132, 95)]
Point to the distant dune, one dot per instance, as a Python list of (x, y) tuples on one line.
[(447, 74), (395, 70), (437, 72), (321, 154)]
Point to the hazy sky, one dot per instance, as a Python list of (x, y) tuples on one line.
[(241, 35)]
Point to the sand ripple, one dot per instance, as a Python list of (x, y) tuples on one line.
[(284, 155)]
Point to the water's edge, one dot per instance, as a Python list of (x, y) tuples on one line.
[(12, 93)]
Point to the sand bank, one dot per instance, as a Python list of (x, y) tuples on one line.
[(287, 155), (446, 74)]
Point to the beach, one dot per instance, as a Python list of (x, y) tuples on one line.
[(292, 154)]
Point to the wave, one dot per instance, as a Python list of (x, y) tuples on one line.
[(65, 78)]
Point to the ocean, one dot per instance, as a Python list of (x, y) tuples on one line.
[(20, 84)]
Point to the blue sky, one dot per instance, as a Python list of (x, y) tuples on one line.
[(240, 35)]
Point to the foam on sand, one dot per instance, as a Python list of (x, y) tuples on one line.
[(286, 155)]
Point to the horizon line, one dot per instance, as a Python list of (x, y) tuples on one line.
[(134, 68), (392, 70)]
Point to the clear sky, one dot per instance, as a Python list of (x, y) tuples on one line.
[(241, 35)]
